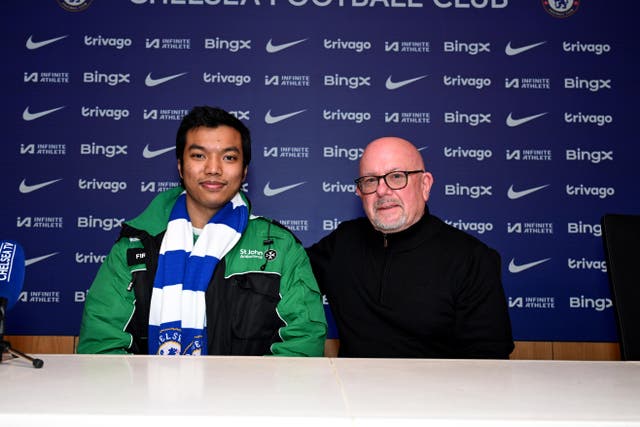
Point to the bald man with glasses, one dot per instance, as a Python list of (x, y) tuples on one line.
[(401, 282)]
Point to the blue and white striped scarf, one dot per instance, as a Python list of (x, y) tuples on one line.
[(177, 318)]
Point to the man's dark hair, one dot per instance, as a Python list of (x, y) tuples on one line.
[(212, 117)]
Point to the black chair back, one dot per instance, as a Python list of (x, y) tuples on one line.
[(621, 238)]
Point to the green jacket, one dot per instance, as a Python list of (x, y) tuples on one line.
[(254, 306)]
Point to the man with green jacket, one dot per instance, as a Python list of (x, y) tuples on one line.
[(196, 273)]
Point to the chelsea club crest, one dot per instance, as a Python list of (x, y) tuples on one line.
[(74, 5), (561, 8)]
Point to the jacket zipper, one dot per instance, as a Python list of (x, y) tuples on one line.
[(385, 268)]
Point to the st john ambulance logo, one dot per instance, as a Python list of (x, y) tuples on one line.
[(270, 255), (561, 8)]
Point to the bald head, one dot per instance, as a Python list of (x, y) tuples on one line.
[(390, 152), (392, 210)]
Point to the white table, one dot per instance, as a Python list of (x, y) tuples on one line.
[(83, 390)]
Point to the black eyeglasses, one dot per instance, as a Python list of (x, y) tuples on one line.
[(395, 180)]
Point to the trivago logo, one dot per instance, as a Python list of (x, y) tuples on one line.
[(460, 81), (595, 119), (478, 227), (108, 113), (338, 187), (582, 190), (116, 42), (587, 264), (478, 154), (96, 185), (349, 116), (89, 258), (592, 48), (232, 79), (339, 44)]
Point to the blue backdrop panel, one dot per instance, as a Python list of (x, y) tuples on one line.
[(525, 119)]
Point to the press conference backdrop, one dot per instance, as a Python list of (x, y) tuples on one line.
[(523, 110)]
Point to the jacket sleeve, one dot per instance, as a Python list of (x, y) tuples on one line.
[(300, 308), (108, 307), (483, 326)]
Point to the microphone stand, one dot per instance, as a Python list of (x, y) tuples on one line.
[(6, 345)]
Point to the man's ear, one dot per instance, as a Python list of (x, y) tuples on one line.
[(427, 182), (180, 168)]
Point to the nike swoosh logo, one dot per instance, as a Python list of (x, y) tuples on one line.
[(28, 116), (423, 148), (515, 268), (269, 119), (268, 191), (512, 51), (273, 48), (151, 82), (513, 194), (28, 262), (25, 189), (511, 122), (31, 45), (147, 153), (391, 85)]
